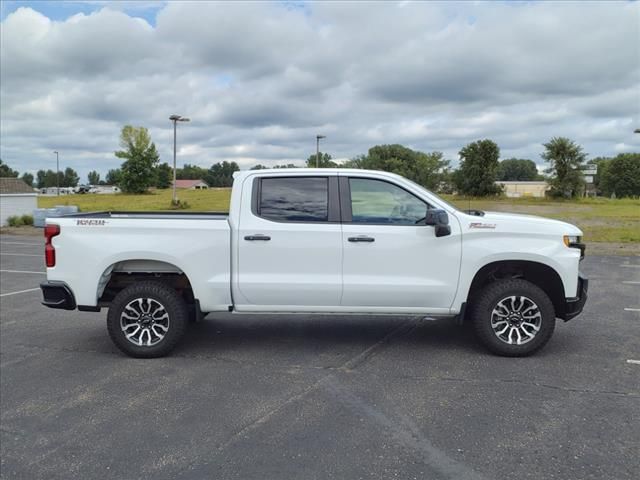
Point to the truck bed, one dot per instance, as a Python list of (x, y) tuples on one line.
[(174, 215)]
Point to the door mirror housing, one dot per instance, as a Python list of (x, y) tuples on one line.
[(440, 220)]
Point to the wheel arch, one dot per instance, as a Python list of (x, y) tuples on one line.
[(120, 274), (540, 274)]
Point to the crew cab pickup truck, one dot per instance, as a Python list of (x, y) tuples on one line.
[(318, 241)]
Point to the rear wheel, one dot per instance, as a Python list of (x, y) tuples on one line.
[(513, 317), (147, 319)]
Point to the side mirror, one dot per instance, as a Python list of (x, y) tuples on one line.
[(438, 219)]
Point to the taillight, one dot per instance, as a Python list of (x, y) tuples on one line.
[(50, 231)]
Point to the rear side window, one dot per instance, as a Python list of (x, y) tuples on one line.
[(303, 199)]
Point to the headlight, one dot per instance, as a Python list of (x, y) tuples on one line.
[(571, 240), (575, 241)]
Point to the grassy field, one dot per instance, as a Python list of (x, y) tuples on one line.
[(214, 199), (602, 220)]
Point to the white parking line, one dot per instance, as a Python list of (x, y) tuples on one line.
[(635, 362), (630, 266), (21, 254), (22, 271), (630, 282), (21, 291), (21, 243), (632, 309)]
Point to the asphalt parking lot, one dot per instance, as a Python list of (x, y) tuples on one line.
[(308, 397)]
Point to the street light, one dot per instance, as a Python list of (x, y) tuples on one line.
[(57, 174), (175, 119), (637, 130), (318, 137)]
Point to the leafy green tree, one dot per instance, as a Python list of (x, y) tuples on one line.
[(478, 169), (40, 178), (93, 177), (432, 170), (164, 175), (140, 156), (6, 170), (46, 179), (113, 176), (221, 174), (325, 161), (258, 167), (392, 158), (517, 169), (355, 162), (288, 165), (28, 178), (427, 169), (565, 158), (70, 178), (600, 163), (621, 176), (191, 172)]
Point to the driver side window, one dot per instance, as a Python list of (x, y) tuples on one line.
[(379, 202)]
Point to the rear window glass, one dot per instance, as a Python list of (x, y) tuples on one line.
[(303, 199)]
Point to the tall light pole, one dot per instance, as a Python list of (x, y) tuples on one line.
[(318, 137), (57, 174), (175, 119)]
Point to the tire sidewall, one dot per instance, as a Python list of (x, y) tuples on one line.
[(168, 298), (486, 302)]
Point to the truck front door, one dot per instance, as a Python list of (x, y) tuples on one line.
[(391, 259)]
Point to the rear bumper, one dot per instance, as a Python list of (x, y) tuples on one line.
[(573, 306), (57, 295)]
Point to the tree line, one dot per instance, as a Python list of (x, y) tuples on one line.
[(478, 172)]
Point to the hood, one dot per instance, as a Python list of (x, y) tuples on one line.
[(501, 221)]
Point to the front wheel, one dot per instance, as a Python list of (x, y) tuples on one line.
[(147, 319), (513, 317)]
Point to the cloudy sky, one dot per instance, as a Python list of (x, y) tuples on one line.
[(260, 80)]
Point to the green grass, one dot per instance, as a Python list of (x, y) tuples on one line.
[(215, 199), (602, 219)]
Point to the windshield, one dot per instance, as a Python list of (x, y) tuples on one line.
[(440, 199)]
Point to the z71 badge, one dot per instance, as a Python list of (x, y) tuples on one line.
[(482, 225)]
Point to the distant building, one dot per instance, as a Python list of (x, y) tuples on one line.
[(515, 189), (16, 198), (192, 184), (107, 189)]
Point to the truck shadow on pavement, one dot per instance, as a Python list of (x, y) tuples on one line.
[(318, 334)]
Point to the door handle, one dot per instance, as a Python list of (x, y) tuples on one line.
[(362, 238), (253, 238)]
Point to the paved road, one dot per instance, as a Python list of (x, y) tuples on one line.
[(317, 396)]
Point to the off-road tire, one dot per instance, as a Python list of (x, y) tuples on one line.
[(486, 301), (174, 306)]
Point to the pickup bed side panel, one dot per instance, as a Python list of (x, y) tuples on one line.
[(200, 248)]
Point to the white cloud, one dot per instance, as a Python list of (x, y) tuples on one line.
[(260, 80)]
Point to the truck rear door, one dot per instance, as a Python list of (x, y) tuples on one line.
[(289, 243)]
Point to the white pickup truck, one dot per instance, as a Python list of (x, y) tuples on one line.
[(318, 241)]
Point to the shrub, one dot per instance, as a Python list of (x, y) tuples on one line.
[(179, 205), (15, 221), (27, 219)]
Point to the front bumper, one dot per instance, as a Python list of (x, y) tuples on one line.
[(573, 306), (57, 295)]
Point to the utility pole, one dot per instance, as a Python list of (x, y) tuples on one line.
[(318, 137), (57, 174), (175, 119)]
